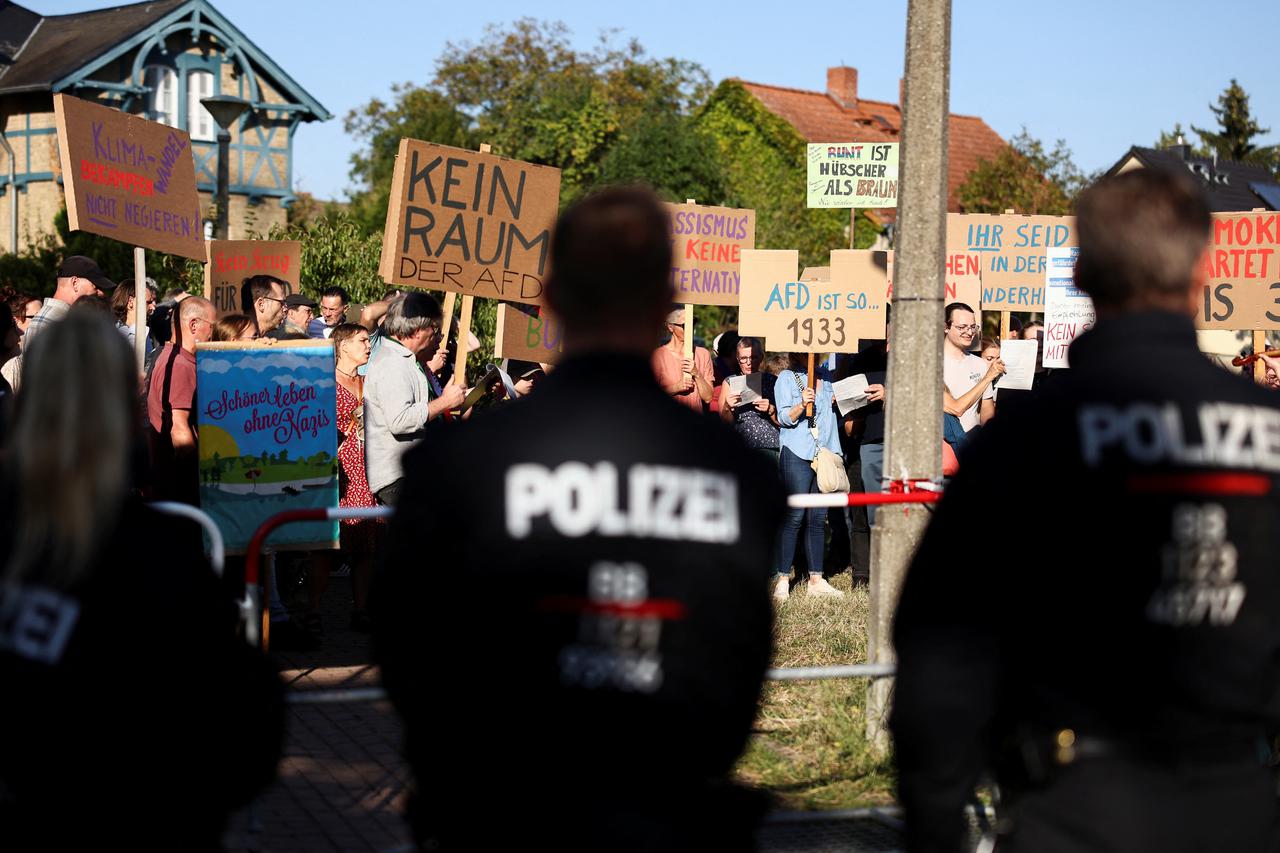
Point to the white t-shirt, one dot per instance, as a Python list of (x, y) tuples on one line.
[(960, 375)]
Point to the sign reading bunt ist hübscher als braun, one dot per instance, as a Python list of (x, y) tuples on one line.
[(853, 174)]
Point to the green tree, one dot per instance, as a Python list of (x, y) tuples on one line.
[(1025, 177), (1177, 136), (336, 250), (604, 115), (416, 113), (764, 169), (1236, 130)]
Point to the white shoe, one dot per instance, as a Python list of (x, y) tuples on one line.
[(782, 589), (820, 587)]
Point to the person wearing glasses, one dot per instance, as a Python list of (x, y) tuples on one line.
[(170, 401), (967, 377), (756, 422), (398, 401), (262, 298)]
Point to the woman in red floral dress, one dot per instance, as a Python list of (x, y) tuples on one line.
[(360, 537)]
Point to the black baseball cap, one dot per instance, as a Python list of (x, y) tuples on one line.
[(297, 300), (86, 268)]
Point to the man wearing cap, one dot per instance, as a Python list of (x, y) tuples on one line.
[(689, 381), (78, 276), (298, 312)]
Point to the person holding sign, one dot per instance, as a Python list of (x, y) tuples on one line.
[(621, 545), (966, 376), (397, 400), (689, 381), (171, 397), (800, 438), (1124, 692)]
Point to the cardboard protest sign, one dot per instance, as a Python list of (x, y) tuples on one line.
[(471, 223), (1012, 249), (706, 247), (129, 179), (1068, 310), (1243, 273), (963, 279), (814, 315), (267, 439), (853, 174), (230, 262), (529, 335), (762, 269), (862, 278)]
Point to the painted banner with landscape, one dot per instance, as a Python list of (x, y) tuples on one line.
[(267, 439)]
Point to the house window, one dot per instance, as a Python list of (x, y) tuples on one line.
[(199, 122), (162, 100)]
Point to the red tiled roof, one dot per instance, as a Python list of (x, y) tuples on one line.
[(818, 117)]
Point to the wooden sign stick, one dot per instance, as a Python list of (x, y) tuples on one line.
[(446, 325), (688, 324), (499, 330), (1259, 346), (1005, 317), (808, 410), (140, 306), (464, 335)]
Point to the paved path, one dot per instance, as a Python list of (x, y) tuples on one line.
[(342, 782)]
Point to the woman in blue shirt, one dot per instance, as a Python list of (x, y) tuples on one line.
[(799, 439)]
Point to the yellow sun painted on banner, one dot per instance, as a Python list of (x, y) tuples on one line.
[(215, 439)]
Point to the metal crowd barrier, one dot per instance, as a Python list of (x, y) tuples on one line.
[(912, 492), (917, 491)]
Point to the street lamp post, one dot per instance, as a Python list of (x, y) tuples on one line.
[(225, 109)]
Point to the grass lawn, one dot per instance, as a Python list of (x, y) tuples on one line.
[(809, 748)]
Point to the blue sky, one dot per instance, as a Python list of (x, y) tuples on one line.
[(1101, 75)]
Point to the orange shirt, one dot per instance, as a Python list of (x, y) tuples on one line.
[(667, 364)]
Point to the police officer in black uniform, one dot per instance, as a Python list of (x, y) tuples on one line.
[(592, 682), (1121, 683)]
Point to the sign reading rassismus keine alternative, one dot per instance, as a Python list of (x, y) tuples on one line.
[(706, 249), (129, 179)]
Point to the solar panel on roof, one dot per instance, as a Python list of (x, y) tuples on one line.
[(1270, 193)]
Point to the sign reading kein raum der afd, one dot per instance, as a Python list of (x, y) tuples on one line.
[(853, 174)]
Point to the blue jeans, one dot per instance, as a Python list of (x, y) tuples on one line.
[(872, 470), (799, 478)]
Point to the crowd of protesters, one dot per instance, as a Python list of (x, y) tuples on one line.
[(75, 507), (393, 374)]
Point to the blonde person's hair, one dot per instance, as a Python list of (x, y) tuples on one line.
[(69, 448)]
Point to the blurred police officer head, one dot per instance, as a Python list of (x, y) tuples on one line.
[(610, 281), (1143, 236)]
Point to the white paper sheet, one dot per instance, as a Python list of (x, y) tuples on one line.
[(738, 385), (1020, 364), (850, 393)]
